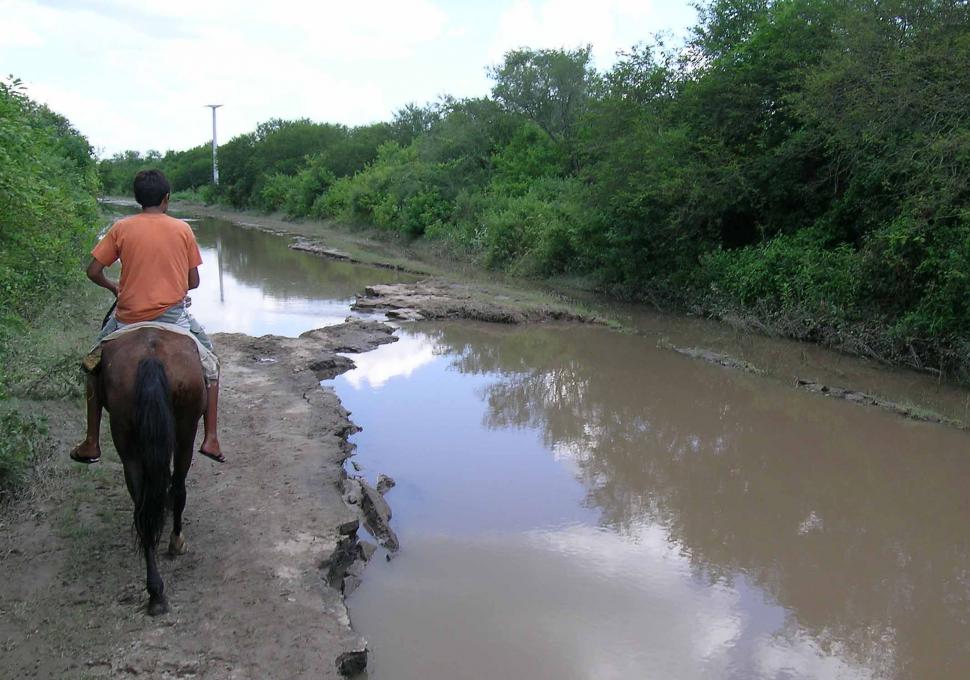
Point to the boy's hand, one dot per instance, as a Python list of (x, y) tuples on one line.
[(187, 301)]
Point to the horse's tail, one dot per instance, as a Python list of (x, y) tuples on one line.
[(155, 440)]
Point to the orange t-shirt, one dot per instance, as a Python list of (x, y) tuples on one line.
[(156, 253)]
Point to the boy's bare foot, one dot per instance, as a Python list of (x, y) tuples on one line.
[(86, 452), (210, 449)]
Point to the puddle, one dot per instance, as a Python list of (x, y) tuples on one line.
[(575, 503)]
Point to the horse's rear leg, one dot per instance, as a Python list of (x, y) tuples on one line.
[(157, 602), (184, 443)]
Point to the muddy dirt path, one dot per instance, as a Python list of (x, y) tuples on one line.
[(249, 599)]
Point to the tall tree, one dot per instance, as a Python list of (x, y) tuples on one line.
[(550, 87)]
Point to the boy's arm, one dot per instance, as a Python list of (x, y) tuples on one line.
[(193, 278), (96, 274)]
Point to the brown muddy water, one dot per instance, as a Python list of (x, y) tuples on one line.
[(574, 502)]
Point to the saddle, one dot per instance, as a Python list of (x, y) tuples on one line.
[(210, 362)]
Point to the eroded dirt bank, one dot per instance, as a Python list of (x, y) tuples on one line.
[(442, 299), (250, 599)]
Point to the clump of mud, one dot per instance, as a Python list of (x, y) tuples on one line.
[(439, 299), (855, 396), (717, 358), (308, 246), (865, 399)]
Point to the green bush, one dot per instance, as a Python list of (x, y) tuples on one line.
[(22, 440), (796, 159), (273, 194), (48, 213), (336, 202), (919, 270), (534, 233), (789, 272), (296, 194), (530, 155), (204, 194), (312, 181)]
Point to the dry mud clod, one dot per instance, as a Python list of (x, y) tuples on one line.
[(440, 299), (716, 358), (866, 399)]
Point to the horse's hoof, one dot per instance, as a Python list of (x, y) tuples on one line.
[(157, 607), (177, 545)]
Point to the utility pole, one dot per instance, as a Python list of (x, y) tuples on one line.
[(215, 164)]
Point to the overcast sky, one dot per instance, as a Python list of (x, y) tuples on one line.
[(136, 75)]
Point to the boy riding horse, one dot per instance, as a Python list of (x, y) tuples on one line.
[(159, 264)]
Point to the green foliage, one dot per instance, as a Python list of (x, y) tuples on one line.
[(283, 165), (549, 87), (205, 194), (296, 194), (801, 162), (795, 272), (413, 121), (535, 232), (528, 156), (48, 213), (398, 192), (22, 440)]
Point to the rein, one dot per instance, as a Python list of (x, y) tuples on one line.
[(110, 311)]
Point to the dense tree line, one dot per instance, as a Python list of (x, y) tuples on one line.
[(800, 164), (48, 212), (48, 221)]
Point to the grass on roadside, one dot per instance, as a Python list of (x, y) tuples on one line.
[(23, 443), (41, 362)]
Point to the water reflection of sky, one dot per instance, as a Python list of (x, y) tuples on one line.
[(238, 307), (399, 359), (252, 283), (576, 602), (418, 417), (506, 570)]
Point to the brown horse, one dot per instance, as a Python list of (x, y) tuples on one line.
[(151, 382)]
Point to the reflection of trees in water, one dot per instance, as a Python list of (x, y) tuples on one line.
[(264, 260), (832, 509)]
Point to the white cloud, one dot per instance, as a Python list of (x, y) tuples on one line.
[(553, 24), (87, 111), (609, 25), (133, 76), (399, 359), (19, 36), (138, 78)]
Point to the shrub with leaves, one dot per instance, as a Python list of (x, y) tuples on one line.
[(48, 213), (22, 440)]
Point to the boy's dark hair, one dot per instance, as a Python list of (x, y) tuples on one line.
[(151, 187)]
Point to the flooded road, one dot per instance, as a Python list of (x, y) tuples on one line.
[(573, 502), (252, 283)]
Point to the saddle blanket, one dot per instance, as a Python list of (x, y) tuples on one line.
[(210, 362)]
